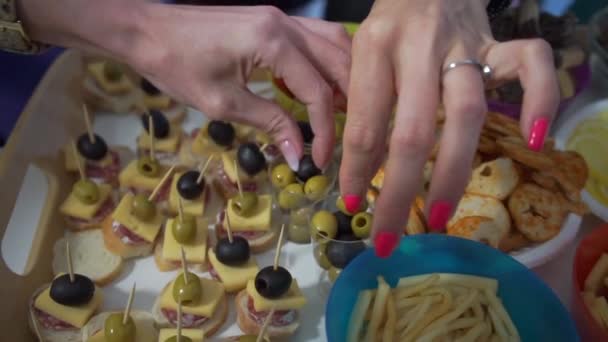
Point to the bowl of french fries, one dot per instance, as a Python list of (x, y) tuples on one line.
[(441, 288), (590, 286)]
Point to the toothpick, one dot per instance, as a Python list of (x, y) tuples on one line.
[(68, 256), (228, 228), (203, 169), (161, 183), (125, 316), (87, 122), (180, 209), (151, 134), (35, 326), (77, 159), (265, 326), (184, 265), (263, 147), (179, 320), (238, 179), (279, 245)]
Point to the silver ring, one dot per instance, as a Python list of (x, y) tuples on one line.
[(486, 70)]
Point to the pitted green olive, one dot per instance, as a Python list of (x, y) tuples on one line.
[(244, 204), (148, 167), (115, 331), (184, 230), (189, 293), (86, 191), (323, 225), (143, 208)]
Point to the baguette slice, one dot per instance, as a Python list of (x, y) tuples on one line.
[(49, 335), (165, 265), (142, 319), (250, 326), (89, 257), (113, 243)]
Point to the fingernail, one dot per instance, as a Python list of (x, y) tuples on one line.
[(385, 243), (352, 203), (290, 154), (538, 134), (439, 215)]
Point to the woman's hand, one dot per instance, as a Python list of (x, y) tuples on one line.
[(203, 56), (398, 58)]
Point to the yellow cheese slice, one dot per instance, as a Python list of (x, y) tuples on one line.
[(213, 294), (159, 102), (124, 216), (196, 335), (196, 251), (77, 316), (259, 220), (168, 144), (123, 85), (195, 207), (70, 159), (234, 278), (292, 300), (144, 331), (204, 145), (72, 206), (130, 177)]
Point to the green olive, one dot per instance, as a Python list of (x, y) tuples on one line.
[(148, 167), (320, 253), (184, 231), (112, 71), (324, 225), (292, 196), (182, 339), (244, 204), (86, 191), (115, 331), (281, 176), (298, 233), (188, 293), (361, 224), (316, 187), (333, 273), (143, 208), (342, 208)]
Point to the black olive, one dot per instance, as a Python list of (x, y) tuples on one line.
[(342, 252), (92, 150), (221, 132), (149, 88), (306, 130), (272, 283), (66, 292), (187, 187), (232, 254), (160, 122), (251, 159), (343, 222), (307, 169)]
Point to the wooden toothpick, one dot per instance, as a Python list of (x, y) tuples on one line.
[(228, 228), (203, 169), (87, 122), (77, 159), (180, 209), (151, 134), (265, 326), (125, 316), (161, 183), (238, 179), (179, 320), (184, 265), (263, 147), (68, 256), (279, 245), (35, 326)]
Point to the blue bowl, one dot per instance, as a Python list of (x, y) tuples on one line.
[(536, 311)]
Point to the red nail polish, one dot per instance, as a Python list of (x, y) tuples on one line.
[(538, 134), (385, 243), (352, 203), (439, 215)]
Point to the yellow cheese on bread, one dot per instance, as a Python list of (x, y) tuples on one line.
[(259, 220), (234, 278), (121, 86), (228, 159), (130, 177), (212, 296), (168, 144), (204, 145), (196, 251), (70, 159), (160, 101), (292, 300), (196, 335), (146, 230), (77, 316), (195, 207), (145, 331), (74, 207)]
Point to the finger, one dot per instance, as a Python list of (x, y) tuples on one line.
[(410, 144), (532, 62), (463, 97), (334, 32), (367, 119)]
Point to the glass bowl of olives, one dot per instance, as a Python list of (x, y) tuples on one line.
[(338, 237)]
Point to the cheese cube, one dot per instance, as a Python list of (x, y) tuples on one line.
[(204, 145), (77, 316), (212, 296), (234, 278), (196, 335), (160, 102), (130, 177), (70, 159), (123, 85), (259, 220), (72, 206), (292, 300), (195, 207), (196, 251), (168, 144), (124, 216)]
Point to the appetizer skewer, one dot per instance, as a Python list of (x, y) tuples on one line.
[(192, 189), (154, 99), (161, 135)]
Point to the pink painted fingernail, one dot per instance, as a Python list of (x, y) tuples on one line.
[(290, 154), (439, 215), (352, 203), (538, 134), (385, 243)]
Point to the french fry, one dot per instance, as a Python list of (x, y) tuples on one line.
[(464, 280), (356, 320), (391, 318), (498, 326), (502, 313), (473, 333), (415, 287), (437, 312), (378, 309)]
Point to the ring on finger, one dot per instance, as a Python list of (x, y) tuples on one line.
[(485, 69)]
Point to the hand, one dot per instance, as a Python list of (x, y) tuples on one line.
[(398, 56)]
